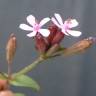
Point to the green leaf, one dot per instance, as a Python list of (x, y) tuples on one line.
[(25, 81), (19, 94)]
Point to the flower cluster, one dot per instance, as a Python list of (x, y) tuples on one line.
[(46, 38)]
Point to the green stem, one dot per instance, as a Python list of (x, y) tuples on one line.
[(76, 48), (34, 64), (31, 66), (28, 68), (9, 71)]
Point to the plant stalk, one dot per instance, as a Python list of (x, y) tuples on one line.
[(31, 66)]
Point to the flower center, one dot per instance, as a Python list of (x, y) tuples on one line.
[(67, 24), (65, 27), (36, 27)]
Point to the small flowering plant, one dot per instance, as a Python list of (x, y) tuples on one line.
[(47, 43)]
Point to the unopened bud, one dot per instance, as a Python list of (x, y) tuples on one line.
[(79, 47), (41, 44), (11, 48), (3, 84), (53, 30), (93, 39), (58, 38)]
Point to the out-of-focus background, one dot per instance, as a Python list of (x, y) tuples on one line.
[(62, 76)]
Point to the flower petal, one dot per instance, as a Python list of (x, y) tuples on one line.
[(59, 19), (66, 33), (44, 21), (74, 33), (25, 27), (44, 32), (73, 23), (55, 22), (31, 20), (32, 34)]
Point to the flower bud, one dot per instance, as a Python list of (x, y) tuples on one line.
[(79, 47), (3, 84), (57, 38), (11, 48), (53, 30), (41, 44), (93, 39), (7, 93)]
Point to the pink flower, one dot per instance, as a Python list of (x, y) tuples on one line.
[(66, 26), (35, 26)]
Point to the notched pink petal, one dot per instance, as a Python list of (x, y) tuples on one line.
[(25, 27), (44, 21), (44, 32), (31, 20)]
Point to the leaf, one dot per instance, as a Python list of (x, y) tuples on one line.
[(19, 94), (25, 81)]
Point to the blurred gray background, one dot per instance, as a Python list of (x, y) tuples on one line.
[(62, 76)]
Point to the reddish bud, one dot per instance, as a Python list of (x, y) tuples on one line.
[(11, 48), (44, 44), (53, 30), (57, 38), (3, 84), (41, 44)]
